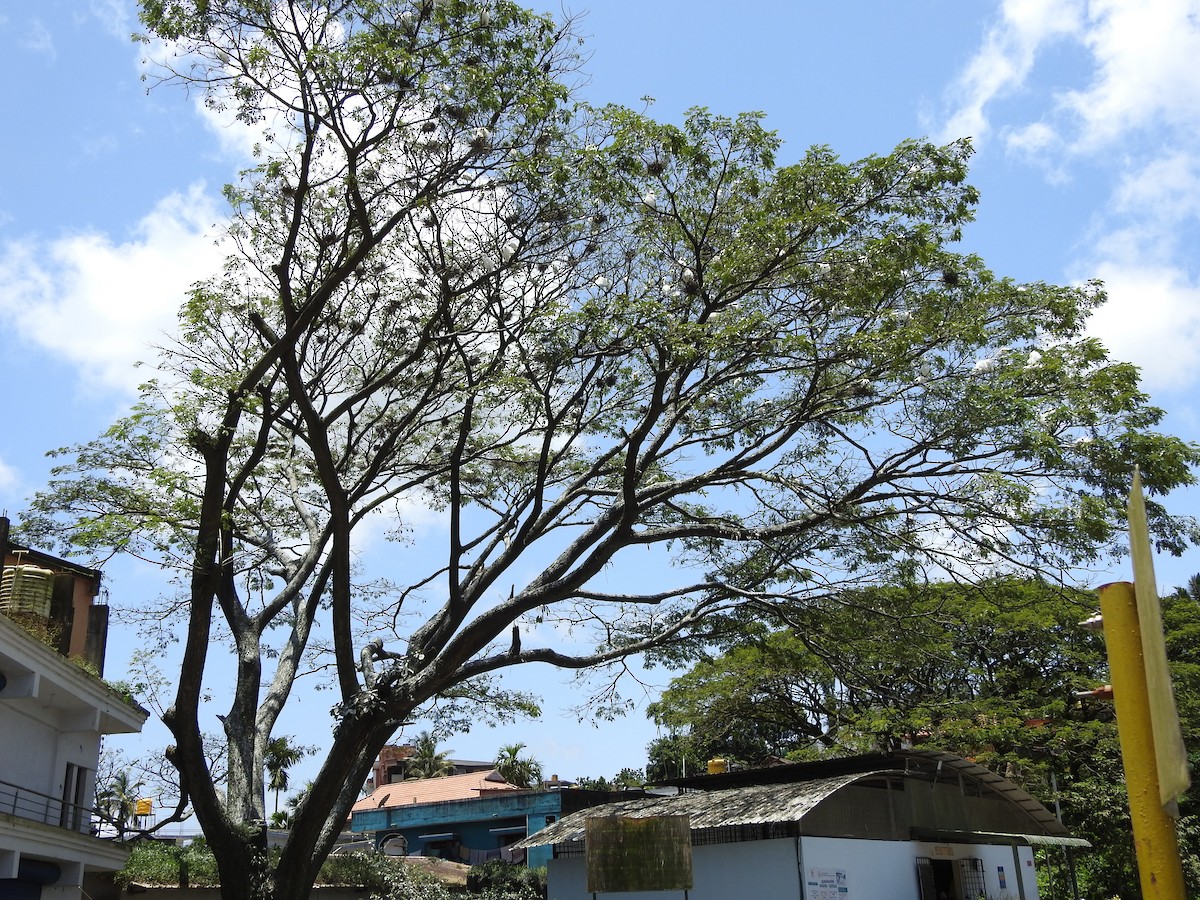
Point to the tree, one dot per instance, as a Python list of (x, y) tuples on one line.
[(426, 761), (675, 755), (116, 803), (972, 658), (281, 754), (623, 780), (629, 778), (580, 336), (522, 771)]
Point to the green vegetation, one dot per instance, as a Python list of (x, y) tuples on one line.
[(426, 760), (500, 880), (387, 878), (523, 771), (167, 863), (626, 778), (989, 672)]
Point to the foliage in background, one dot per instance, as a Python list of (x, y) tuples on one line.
[(624, 779), (154, 862), (116, 802), (426, 760), (989, 672), (523, 771), (500, 880), (159, 863), (281, 754)]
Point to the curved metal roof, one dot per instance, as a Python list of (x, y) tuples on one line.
[(786, 796)]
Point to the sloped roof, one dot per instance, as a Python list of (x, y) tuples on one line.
[(433, 790), (755, 805), (790, 792)]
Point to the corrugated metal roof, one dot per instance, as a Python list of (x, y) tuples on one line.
[(999, 837), (783, 801), (761, 804)]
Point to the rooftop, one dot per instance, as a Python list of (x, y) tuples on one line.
[(434, 790)]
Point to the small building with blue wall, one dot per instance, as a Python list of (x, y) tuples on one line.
[(473, 829)]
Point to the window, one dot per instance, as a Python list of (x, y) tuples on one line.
[(925, 881), (74, 797), (970, 872)]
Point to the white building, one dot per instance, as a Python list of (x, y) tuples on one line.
[(52, 716), (916, 825)]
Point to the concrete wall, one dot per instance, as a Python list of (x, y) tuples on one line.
[(887, 870), (874, 870), (775, 870), (764, 870)]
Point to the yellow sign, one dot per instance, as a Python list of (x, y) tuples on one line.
[(145, 807)]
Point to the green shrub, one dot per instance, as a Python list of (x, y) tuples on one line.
[(159, 862), (386, 877), (500, 880)]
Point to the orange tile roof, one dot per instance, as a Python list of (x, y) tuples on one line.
[(433, 790)]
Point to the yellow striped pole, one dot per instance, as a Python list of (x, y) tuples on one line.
[(1154, 837)]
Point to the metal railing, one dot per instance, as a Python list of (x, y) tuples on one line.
[(38, 807)]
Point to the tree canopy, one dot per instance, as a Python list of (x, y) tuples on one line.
[(426, 760), (522, 770), (576, 334), (878, 668)]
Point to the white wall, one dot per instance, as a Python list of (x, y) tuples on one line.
[(763, 870), (886, 870), (29, 749), (1017, 863), (770, 870), (875, 870)]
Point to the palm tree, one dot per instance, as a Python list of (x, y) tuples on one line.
[(426, 760), (116, 803), (524, 772), (280, 756)]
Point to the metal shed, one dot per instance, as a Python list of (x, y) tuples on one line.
[(916, 824)]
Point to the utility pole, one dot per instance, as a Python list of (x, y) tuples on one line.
[(1147, 721)]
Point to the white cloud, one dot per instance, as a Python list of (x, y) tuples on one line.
[(8, 478), (1131, 118), (101, 305), (1005, 60), (1168, 188), (39, 40), (1145, 54), (1143, 252), (1143, 72), (114, 17), (1152, 319)]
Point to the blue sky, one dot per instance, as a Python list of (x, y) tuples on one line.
[(1086, 118)]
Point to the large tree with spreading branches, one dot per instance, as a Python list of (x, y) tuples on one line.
[(576, 334)]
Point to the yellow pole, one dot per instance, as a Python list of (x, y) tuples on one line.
[(1154, 836)]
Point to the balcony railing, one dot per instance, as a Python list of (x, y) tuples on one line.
[(37, 807)]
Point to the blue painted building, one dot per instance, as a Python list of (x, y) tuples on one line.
[(474, 829)]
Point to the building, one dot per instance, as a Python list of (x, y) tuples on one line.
[(914, 825), (392, 765), (469, 818), (53, 713)]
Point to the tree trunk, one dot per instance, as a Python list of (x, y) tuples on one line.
[(322, 816)]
